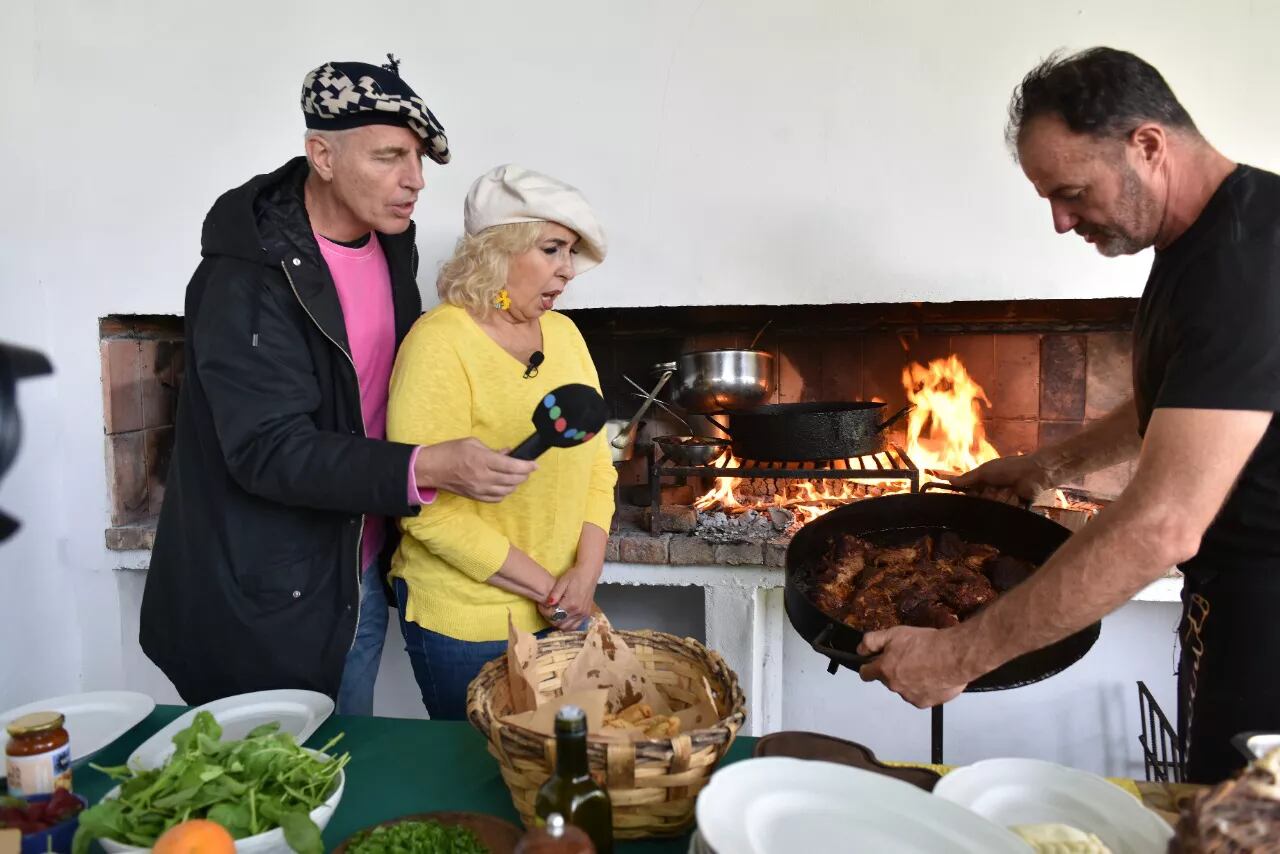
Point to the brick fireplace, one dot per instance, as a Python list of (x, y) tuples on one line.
[(1048, 367), (142, 367)]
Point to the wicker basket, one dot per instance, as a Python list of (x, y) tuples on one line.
[(652, 783)]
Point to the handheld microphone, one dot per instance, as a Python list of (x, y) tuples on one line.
[(531, 369), (568, 416)]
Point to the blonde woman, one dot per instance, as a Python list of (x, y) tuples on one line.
[(477, 365)]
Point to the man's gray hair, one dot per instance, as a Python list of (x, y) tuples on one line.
[(333, 137)]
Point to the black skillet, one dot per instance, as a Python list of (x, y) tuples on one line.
[(900, 519), (809, 431)]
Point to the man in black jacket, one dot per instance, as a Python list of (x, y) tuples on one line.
[(273, 534)]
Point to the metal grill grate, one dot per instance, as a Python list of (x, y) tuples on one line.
[(890, 464)]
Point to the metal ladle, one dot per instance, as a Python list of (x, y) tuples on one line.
[(620, 441), (669, 411)]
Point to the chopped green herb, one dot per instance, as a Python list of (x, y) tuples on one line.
[(416, 837)]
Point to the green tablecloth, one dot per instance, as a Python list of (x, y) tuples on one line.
[(397, 767)]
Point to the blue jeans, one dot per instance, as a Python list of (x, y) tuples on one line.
[(443, 666), (355, 695)]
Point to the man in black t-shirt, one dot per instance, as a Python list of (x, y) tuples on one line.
[(1103, 139)]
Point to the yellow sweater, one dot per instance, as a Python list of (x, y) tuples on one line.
[(451, 381)]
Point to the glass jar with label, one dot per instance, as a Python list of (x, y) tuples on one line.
[(37, 759)]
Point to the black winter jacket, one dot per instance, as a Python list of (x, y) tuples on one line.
[(254, 579)]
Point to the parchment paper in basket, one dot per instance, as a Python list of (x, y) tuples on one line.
[(522, 668), (605, 661), (605, 669), (542, 720), (703, 713)]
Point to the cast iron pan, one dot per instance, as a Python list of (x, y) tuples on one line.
[(901, 519), (809, 431)]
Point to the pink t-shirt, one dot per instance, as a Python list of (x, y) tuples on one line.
[(363, 281)]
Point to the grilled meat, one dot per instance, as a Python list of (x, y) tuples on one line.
[(843, 564), (934, 582), (1007, 572)]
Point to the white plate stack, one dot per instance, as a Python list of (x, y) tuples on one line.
[(778, 805), (1031, 791)]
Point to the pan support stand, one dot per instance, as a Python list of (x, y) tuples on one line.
[(935, 723), (935, 746), (743, 641)]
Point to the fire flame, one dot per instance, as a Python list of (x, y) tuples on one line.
[(808, 499), (944, 434), (944, 431), (721, 495)]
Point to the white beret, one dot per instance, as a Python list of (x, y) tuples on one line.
[(510, 193)]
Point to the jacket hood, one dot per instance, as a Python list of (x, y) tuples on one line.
[(262, 220)]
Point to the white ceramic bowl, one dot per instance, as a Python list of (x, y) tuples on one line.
[(271, 842)]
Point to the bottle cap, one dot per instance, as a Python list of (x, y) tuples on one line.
[(571, 719), (35, 722)]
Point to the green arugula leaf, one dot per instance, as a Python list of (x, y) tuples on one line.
[(204, 724), (234, 817), (301, 833), (269, 728), (103, 820)]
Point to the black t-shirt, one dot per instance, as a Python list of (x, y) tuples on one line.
[(1207, 336)]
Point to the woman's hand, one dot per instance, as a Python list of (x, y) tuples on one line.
[(565, 623), (575, 592)]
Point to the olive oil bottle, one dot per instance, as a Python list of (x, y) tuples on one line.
[(571, 791)]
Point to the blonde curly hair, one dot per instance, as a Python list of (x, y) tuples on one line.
[(475, 273)]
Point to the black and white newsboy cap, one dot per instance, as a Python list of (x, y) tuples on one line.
[(343, 95)]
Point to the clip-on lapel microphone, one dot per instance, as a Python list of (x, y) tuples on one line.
[(531, 367)]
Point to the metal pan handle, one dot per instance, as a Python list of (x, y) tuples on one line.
[(895, 416), (620, 441), (725, 429), (838, 656), (951, 487)]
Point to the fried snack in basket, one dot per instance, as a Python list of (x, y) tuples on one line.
[(610, 682), (640, 717)]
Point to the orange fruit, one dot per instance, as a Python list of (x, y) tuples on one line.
[(195, 836)]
